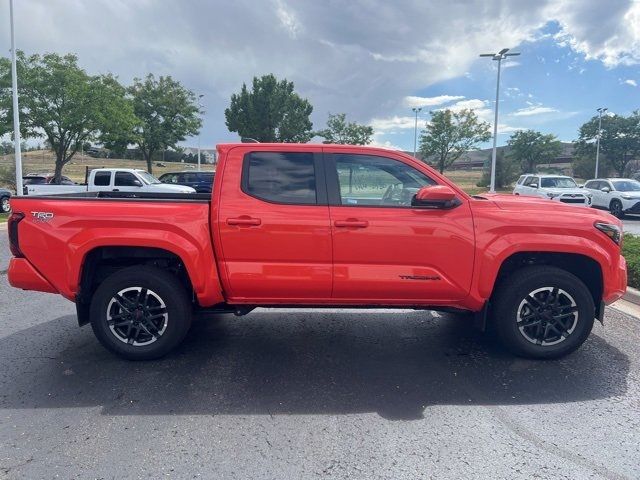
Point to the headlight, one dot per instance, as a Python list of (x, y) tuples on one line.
[(610, 230), (552, 195), (626, 197)]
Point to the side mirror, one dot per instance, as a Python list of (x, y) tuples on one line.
[(137, 183), (533, 185), (605, 189), (435, 196)]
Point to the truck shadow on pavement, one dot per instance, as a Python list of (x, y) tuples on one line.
[(287, 362)]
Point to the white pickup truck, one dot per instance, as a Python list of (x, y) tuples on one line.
[(111, 180)]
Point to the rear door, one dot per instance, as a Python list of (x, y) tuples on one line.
[(386, 251), (273, 227), (593, 187)]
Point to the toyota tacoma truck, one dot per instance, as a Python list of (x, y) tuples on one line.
[(291, 225)]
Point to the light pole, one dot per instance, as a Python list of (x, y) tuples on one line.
[(199, 105), (16, 112), (501, 55), (416, 110), (600, 111)]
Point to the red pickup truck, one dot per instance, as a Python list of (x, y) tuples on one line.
[(319, 226)]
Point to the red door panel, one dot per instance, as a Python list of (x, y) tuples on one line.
[(402, 255), (271, 253)]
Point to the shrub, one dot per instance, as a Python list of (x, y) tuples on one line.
[(631, 252)]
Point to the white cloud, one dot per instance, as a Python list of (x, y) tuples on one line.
[(394, 124), (412, 101), (631, 82), (607, 31), (533, 110), (287, 18)]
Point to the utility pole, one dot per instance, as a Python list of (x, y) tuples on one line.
[(199, 105), (600, 111), (16, 112), (416, 110), (501, 55)]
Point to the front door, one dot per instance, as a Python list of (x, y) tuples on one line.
[(273, 225), (386, 251)]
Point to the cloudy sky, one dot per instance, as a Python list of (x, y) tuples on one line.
[(373, 59)]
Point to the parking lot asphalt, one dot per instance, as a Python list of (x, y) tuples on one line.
[(305, 394)]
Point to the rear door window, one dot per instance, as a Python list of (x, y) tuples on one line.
[(102, 179), (280, 177)]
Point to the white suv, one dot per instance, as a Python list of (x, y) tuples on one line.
[(618, 195), (558, 188)]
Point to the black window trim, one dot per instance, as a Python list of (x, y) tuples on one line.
[(321, 184), (333, 183)]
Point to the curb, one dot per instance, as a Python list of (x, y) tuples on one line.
[(632, 295)]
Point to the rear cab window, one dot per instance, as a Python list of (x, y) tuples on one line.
[(102, 179), (281, 177)]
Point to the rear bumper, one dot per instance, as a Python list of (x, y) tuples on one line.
[(616, 286), (22, 275)]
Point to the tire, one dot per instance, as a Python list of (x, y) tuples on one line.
[(150, 317), (616, 209), (5, 206), (559, 329)]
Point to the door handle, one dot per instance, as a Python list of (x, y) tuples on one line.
[(244, 221), (351, 223), (115, 190)]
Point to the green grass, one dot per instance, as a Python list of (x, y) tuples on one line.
[(631, 252), (3, 217)]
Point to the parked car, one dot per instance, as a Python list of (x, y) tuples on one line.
[(113, 180), (618, 195), (558, 188), (5, 197), (312, 225), (202, 182)]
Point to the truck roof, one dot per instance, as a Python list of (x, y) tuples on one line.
[(224, 147)]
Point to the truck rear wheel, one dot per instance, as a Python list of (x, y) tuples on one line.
[(542, 312), (140, 312)]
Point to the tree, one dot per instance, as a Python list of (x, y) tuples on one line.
[(341, 132), (61, 102), (449, 134), (167, 113), (507, 170), (271, 112), (531, 148), (619, 143)]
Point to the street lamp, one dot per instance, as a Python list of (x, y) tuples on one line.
[(201, 107), (16, 112), (600, 111), (416, 110), (501, 55)]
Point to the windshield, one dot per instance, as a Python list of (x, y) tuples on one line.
[(147, 177), (559, 182), (626, 185)]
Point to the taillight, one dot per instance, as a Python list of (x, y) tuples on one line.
[(14, 245)]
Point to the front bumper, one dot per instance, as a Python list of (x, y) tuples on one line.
[(616, 286), (631, 206), (22, 275), (573, 199)]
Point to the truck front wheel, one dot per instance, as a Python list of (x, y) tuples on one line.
[(542, 312), (140, 312)]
